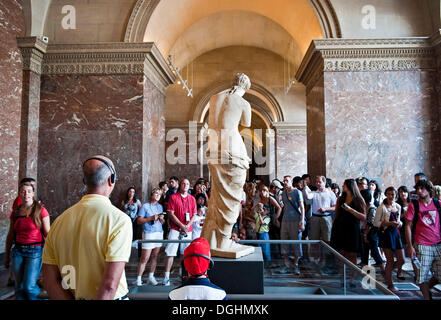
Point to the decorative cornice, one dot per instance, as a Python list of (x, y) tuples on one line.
[(343, 55), (109, 58), (32, 50), (297, 128)]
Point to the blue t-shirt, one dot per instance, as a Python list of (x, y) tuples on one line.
[(291, 205), (148, 210)]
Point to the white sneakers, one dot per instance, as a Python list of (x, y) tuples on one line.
[(153, 281)]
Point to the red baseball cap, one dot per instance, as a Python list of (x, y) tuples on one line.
[(197, 256)]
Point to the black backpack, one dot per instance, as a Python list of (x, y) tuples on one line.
[(416, 206)]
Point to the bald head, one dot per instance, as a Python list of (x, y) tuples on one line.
[(96, 172)]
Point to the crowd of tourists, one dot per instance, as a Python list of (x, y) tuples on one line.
[(358, 220)]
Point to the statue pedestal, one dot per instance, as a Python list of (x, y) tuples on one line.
[(239, 253), (238, 276)]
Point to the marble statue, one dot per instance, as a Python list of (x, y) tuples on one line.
[(228, 163)]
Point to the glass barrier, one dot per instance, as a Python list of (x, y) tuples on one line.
[(322, 273)]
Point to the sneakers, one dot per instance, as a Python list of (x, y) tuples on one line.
[(296, 269), (139, 283), (284, 270), (166, 282), (153, 281)]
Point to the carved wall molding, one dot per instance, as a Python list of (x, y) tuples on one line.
[(347, 55), (109, 59), (289, 127), (32, 50), (139, 19)]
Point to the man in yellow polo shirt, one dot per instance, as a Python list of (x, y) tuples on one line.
[(89, 244)]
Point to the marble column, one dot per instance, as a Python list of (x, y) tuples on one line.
[(290, 150), (372, 109), (101, 99), (33, 49), (11, 79)]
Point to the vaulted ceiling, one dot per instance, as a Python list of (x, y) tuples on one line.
[(189, 28)]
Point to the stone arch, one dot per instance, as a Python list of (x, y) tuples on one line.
[(143, 10), (327, 17), (264, 103), (139, 19)]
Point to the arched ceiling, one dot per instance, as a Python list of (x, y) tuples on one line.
[(176, 24), (226, 28)]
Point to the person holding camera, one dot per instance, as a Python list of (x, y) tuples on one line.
[(182, 210), (151, 217)]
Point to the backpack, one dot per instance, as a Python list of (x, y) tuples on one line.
[(416, 207)]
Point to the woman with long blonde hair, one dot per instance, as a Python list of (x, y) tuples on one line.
[(29, 225)]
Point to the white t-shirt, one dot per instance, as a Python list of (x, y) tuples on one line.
[(319, 200), (198, 223)]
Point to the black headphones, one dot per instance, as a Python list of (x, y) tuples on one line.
[(111, 168), (210, 266)]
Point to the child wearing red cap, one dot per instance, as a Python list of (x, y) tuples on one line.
[(197, 286)]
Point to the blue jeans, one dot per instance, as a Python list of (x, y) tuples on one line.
[(265, 246), (26, 263)]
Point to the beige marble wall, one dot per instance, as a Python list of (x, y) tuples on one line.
[(153, 150), (291, 154), (381, 124)]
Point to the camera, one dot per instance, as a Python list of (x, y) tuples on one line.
[(182, 234)]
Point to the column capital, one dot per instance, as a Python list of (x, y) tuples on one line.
[(108, 59), (32, 50), (349, 55)]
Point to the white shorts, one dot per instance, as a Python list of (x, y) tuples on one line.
[(171, 249), (152, 236)]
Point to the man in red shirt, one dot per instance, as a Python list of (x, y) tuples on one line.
[(182, 210)]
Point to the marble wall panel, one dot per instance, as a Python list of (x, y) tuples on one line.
[(11, 27), (81, 116), (153, 138), (381, 124), (291, 153), (315, 119)]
